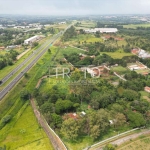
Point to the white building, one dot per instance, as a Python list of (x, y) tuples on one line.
[(32, 39), (102, 30), (143, 54), (62, 22)]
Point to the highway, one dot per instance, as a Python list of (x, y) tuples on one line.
[(21, 74), (7, 77)]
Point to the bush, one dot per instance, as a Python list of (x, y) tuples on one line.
[(5, 120)]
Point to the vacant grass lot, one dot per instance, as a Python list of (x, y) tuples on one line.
[(134, 26), (117, 54), (86, 24), (119, 69), (82, 38)]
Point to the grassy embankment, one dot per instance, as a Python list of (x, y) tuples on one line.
[(23, 131)]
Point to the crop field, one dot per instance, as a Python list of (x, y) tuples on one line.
[(141, 143), (134, 26)]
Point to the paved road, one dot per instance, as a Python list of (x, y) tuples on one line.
[(7, 77), (21, 74)]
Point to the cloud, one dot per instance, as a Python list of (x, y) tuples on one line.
[(72, 7)]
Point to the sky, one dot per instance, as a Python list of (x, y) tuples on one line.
[(74, 7)]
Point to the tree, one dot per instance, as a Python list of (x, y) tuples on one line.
[(24, 95), (95, 131), (119, 119), (130, 95), (35, 44), (63, 105), (6, 119), (56, 120), (49, 51), (109, 147), (96, 123), (3, 148), (70, 129), (136, 119)]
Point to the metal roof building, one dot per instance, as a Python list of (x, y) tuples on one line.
[(31, 40), (102, 30)]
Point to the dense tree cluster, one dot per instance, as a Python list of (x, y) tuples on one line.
[(74, 58), (70, 33), (8, 59), (122, 106)]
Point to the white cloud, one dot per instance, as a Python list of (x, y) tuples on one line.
[(69, 7)]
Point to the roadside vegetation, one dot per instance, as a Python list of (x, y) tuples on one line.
[(82, 111)]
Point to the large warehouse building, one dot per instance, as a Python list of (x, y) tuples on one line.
[(102, 30), (32, 39)]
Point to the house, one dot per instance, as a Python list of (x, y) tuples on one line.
[(12, 46), (135, 51), (147, 89), (70, 115), (62, 22), (141, 53), (83, 113)]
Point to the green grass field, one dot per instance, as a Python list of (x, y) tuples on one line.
[(23, 132), (34, 135), (117, 54), (134, 26), (87, 24), (119, 69)]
